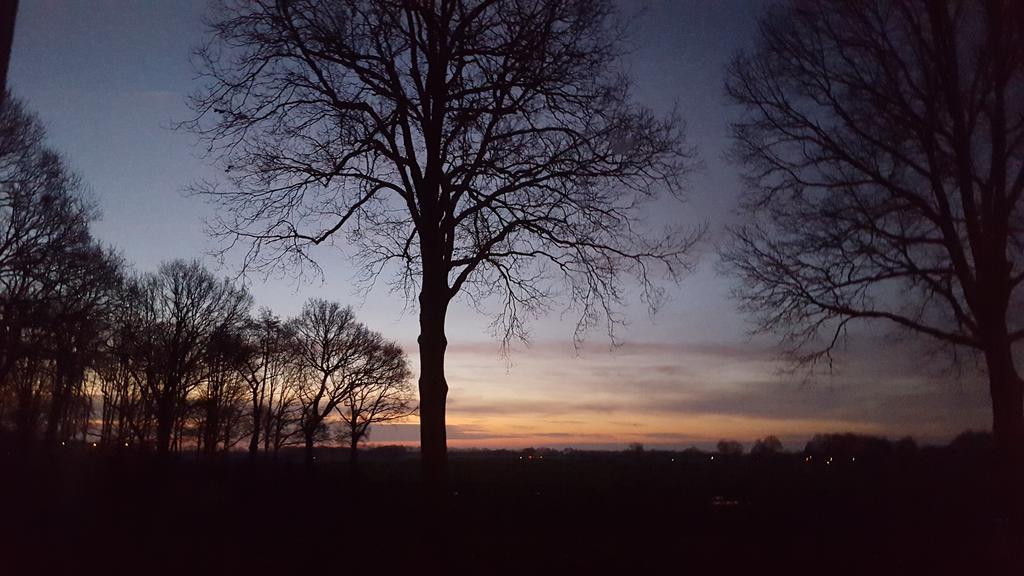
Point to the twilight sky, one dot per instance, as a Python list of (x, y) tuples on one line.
[(109, 78)]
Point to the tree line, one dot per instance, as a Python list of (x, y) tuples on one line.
[(170, 360)]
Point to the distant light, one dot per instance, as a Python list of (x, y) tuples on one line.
[(673, 459), (63, 443), (125, 444), (520, 457), (854, 459), (93, 444), (712, 457)]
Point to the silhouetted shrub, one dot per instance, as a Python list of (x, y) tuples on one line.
[(766, 446), (730, 448)]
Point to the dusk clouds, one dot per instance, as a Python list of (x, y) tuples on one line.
[(682, 395)]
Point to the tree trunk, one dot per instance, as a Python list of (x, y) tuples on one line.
[(25, 417), (58, 401), (1007, 392), (353, 458), (434, 290), (433, 386), (164, 426), (270, 428), (254, 440), (211, 431), (309, 447)]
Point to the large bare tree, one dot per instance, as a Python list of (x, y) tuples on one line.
[(884, 147), (482, 147)]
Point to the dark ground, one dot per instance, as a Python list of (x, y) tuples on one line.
[(84, 510)]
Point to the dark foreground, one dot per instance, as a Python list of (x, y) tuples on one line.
[(83, 510)]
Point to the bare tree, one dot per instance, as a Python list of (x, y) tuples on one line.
[(283, 422), (83, 281), (188, 308), (222, 395), (283, 414), (127, 409), (380, 391), (330, 349), (44, 229), (884, 147), (488, 148), (263, 366)]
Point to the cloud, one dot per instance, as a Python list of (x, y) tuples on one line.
[(685, 392), (410, 434)]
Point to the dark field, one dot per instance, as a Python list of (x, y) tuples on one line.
[(83, 510)]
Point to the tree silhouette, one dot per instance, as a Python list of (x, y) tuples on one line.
[(729, 448), (186, 308), (884, 147), (184, 364), (121, 371), (264, 365), (54, 280), (283, 411), (222, 394), (486, 148), (380, 392), (766, 446), (83, 280), (330, 349)]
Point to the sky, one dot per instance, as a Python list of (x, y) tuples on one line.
[(109, 79)]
